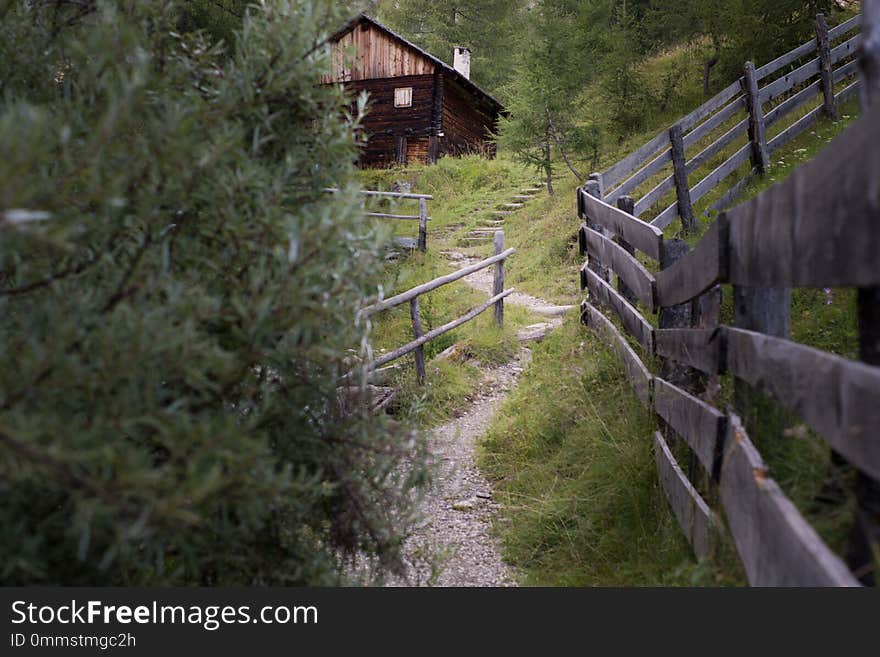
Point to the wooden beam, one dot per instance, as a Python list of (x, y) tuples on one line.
[(776, 545), (603, 294), (825, 226), (699, 348), (637, 279), (680, 174), (636, 373), (640, 176), (498, 278), (701, 425), (693, 514), (644, 237), (437, 332), (699, 270), (705, 129), (822, 38), (757, 137), (838, 398), (419, 290)]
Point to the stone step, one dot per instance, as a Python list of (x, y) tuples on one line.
[(515, 206), (523, 197), (531, 190)]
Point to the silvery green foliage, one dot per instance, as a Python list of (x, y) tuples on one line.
[(174, 327)]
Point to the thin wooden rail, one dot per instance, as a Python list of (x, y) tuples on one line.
[(403, 297), (437, 332)]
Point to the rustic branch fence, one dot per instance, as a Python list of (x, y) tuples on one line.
[(746, 100), (412, 296), (420, 243), (821, 228)]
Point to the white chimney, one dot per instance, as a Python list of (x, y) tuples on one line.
[(462, 61)]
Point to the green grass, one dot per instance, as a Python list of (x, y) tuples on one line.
[(570, 452), (571, 458)]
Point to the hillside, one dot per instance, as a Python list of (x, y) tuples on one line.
[(569, 451)]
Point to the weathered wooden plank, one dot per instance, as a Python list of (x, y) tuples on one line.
[(787, 82), (419, 352), (640, 176), (680, 174), (838, 398), (790, 104), (699, 348), (630, 270), (712, 105), (693, 514), (403, 297), (638, 375), (757, 128), (824, 42), (846, 49), (603, 294), (843, 72), (704, 129), (629, 164), (846, 26), (498, 276), (382, 215), (698, 270), (649, 199), (666, 217), (711, 181), (776, 545), (437, 332), (701, 426), (794, 130), (717, 146), (786, 59), (797, 234), (732, 194), (846, 94), (639, 234), (365, 192)]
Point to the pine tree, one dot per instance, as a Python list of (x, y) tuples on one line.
[(179, 300)]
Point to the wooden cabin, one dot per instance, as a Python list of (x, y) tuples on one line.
[(420, 108)]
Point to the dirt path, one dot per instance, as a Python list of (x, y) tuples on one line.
[(455, 545)]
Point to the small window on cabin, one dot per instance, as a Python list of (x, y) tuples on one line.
[(403, 97)]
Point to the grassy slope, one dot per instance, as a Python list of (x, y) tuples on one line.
[(462, 188), (571, 451)]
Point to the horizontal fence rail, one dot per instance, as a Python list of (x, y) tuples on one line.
[(819, 228), (421, 243), (412, 295), (671, 152)]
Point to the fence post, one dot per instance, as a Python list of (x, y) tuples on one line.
[(760, 157), (830, 105), (423, 225), (864, 541), (626, 204), (682, 191), (417, 333), (593, 187), (498, 283)]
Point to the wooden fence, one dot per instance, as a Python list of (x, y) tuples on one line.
[(412, 296), (752, 110), (820, 228), (420, 243)]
